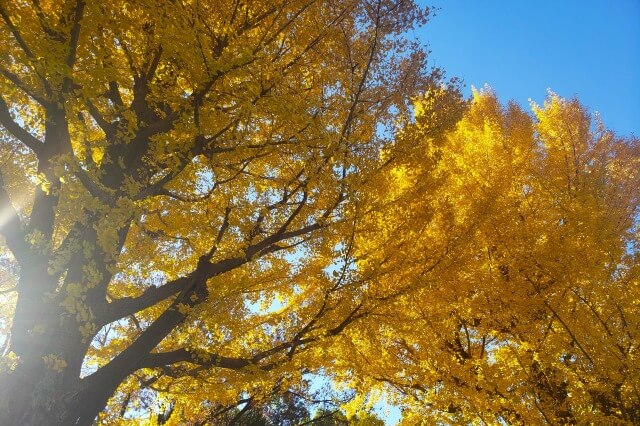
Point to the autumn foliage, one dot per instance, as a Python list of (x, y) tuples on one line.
[(510, 281), (207, 206)]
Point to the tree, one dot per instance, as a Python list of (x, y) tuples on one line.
[(515, 280), (205, 205), (177, 180)]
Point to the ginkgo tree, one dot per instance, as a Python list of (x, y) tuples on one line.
[(207, 206), (179, 188), (505, 262)]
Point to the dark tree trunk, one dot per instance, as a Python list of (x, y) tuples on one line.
[(36, 394), (45, 387)]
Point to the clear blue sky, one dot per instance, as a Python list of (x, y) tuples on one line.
[(586, 48)]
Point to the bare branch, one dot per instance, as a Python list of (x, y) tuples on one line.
[(166, 192)]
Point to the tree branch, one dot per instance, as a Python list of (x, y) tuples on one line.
[(18, 131), (22, 43), (199, 147), (43, 22), (153, 66), (189, 286), (74, 35), (93, 187), (210, 360), (113, 94), (16, 34), (155, 360), (22, 86), (121, 308), (107, 127)]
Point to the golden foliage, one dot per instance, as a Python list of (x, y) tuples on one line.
[(204, 203), (513, 277)]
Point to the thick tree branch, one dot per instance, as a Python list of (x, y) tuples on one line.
[(209, 360), (162, 359), (153, 66), (92, 186), (121, 308), (223, 228), (107, 127), (127, 306), (74, 35), (113, 94), (22, 85), (18, 131)]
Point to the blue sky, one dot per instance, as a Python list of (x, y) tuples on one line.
[(586, 48)]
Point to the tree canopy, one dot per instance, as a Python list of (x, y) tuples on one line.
[(176, 179), (513, 275), (204, 205)]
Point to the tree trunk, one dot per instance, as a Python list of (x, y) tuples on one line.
[(35, 394), (45, 387)]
